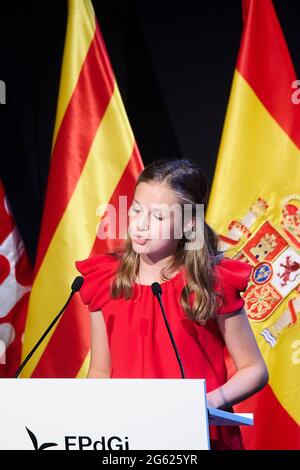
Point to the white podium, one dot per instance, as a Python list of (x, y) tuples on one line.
[(108, 414)]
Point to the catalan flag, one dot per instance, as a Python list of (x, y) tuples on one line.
[(94, 161), (255, 207)]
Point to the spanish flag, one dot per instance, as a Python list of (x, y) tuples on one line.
[(255, 207), (94, 161)]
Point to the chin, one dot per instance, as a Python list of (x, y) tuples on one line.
[(139, 248)]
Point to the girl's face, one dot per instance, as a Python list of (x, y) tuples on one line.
[(154, 220)]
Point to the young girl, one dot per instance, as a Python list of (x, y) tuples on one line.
[(200, 293)]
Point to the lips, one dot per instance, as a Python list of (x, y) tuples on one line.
[(139, 240)]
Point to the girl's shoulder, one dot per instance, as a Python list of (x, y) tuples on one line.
[(98, 272), (232, 278)]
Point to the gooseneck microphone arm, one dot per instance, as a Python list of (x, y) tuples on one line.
[(76, 285), (157, 291)]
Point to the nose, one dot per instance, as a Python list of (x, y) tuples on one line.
[(142, 223)]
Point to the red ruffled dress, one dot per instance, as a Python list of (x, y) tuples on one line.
[(140, 346)]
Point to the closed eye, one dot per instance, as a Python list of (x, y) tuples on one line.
[(135, 209)]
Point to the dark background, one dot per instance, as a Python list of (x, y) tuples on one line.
[(173, 62)]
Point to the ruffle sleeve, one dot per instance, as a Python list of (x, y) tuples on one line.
[(232, 278), (98, 272)]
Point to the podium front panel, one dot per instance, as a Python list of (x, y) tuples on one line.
[(103, 414)]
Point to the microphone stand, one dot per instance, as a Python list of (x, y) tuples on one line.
[(157, 291), (77, 283)]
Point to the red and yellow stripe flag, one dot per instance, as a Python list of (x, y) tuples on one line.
[(255, 206), (94, 161)]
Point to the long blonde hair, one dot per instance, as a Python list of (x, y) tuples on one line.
[(187, 181)]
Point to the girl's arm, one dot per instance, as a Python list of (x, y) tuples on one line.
[(100, 362), (251, 370)]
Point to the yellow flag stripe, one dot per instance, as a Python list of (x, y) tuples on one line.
[(76, 232), (79, 36), (255, 156), (82, 373)]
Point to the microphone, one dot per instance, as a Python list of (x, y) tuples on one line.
[(157, 291), (75, 287)]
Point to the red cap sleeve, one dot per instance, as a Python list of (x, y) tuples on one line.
[(98, 272), (232, 277)]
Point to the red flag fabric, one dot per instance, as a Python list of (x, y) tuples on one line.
[(15, 286)]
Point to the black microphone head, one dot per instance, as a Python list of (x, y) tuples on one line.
[(156, 289), (77, 283)]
